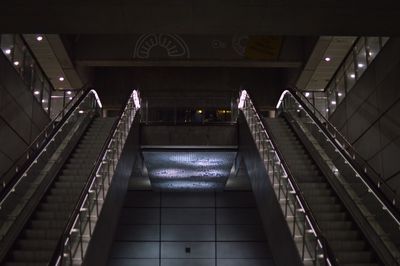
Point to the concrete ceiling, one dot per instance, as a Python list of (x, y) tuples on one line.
[(266, 17), (54, 60), (183, 50), (318, 71)]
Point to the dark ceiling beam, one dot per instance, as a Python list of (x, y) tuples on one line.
[(189, 63), (268, 17)]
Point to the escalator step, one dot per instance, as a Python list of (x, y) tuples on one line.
[(348, 245), (47, 224), (28, 244), (31, 256), (354, 256), (43, 233), (342, 235)]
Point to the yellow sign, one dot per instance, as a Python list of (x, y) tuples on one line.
[(263, 47)]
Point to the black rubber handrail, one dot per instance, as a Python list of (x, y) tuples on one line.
[(388, 203), (307, 210), (36, 150), (71, 219)]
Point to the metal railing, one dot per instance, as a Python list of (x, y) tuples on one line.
[(310, 242), (72, 246), (18, 193), (19, 166), (356, 170)]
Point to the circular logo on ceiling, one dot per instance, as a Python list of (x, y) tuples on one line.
[(239, 43), (161, 45)]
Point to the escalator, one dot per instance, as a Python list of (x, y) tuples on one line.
[(38, 240), (336, 211), (50, 211), (345, 239)]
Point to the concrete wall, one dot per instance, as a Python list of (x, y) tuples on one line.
[(370, 114), (217, 135), (265, 85), (21, 116)]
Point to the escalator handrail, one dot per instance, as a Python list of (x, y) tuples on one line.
[(9, 186), (388, 204), (85, 189), (306, 208)]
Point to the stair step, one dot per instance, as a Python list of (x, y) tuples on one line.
[(31, 244), (32, 256), (342, 235), (53, 234), (47, 224), (56, 207), (348, 245), (319, 208), (354, 257), (44, 215)]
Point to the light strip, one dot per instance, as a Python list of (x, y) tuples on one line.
[(281, 98), (97, 98), (243, 96), (136, 99)]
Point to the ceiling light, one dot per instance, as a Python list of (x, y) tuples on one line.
[(333, 102), (360, 65), (70, 98), (16, 63), (307, 94), (69, 92), (352, 76), (61, 78), (7, 51), (327, 59), (43, 101), (340, 94), (327, 109), (36, 92), (39, 38)]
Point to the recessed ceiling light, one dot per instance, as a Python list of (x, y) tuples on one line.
[(327, 59), (7, 51), (43, 101), (307, 94), (36, 92), (360, 65), (16, 63), (333, 102), (340, 94), (352, 76), (70, 98), (61, 78), (327, 109), (39, 38), (69, 92)]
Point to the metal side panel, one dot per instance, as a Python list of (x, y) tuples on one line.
[(103, 235), (283, 248)]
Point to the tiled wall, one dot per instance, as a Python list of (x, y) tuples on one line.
[(190, 228), (370, 114), (21, 116)]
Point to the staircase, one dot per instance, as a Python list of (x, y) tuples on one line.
[(37, 241), (345, 239)]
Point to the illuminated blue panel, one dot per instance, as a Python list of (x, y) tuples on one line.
[(188, 169)]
